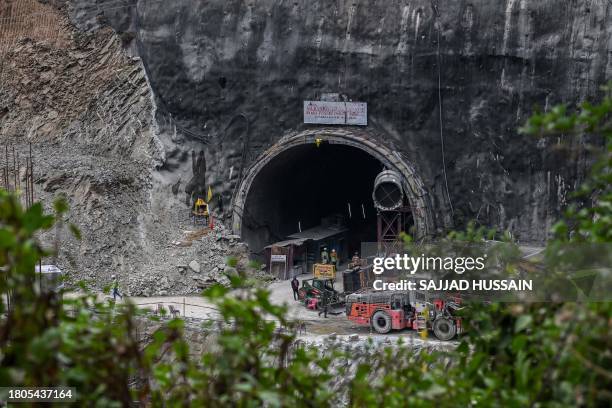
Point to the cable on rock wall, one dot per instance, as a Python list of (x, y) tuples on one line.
[(437, 21)]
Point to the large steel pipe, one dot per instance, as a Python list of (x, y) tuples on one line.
[(388, 194)]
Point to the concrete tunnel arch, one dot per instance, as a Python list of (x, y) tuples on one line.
[(365, 140)]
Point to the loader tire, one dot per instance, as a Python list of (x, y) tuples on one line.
[(444, 329), (381, 321)]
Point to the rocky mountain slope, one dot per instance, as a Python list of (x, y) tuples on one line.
[(87, 109)]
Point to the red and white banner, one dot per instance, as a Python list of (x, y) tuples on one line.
[(336, 113), (357, 113)]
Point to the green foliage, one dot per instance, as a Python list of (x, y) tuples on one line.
[(516, 355), (232, 261), (255, 264), (48, 340), (252, 366), (92, 345), (473, 234), (520, 355)]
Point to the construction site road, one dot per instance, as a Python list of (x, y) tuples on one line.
[(314, 327)]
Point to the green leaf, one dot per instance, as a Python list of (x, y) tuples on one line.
[(7, 238), (270, 397), (60, 205), (522, 323)]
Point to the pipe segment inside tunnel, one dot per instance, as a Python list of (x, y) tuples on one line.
[(297, 182)]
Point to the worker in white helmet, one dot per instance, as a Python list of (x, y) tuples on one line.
[(324, 256)]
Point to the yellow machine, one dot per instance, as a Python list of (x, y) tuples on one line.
[(324, 271), (200, 211)]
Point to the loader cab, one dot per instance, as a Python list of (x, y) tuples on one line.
[(418, 299), (399, 300), (323, 284), (315, 287)]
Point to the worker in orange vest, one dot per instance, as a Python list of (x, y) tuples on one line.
[(333, 258)]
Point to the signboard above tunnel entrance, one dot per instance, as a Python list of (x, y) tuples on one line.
[(356, 113), (336, 113)]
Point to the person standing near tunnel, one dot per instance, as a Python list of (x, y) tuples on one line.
[(295, 285), (324, 256), (115, 288), (324, 305), (355, 261), (333, 258)]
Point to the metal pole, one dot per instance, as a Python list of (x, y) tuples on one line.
[(18, 175), (184, 316), (14, 169), (30, 186), (27, 183), (6, 167), (305, 259), (4, 177), (31, 176)]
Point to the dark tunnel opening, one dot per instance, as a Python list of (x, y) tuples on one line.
[(303, 185)]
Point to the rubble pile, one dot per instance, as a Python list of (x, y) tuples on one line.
[(188, 265)]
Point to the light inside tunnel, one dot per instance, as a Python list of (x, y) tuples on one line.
[(304, 184)]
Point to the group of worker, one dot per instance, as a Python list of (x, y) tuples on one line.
[(329, 257), (332, 258)]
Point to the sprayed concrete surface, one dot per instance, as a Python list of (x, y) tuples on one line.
[(447, 86)]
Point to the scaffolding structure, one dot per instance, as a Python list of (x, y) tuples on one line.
[(390, 225)]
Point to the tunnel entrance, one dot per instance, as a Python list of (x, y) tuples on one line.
[(323, 176), (307, 186)]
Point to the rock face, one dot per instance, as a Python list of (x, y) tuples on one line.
[(87, 111), (456, 76)]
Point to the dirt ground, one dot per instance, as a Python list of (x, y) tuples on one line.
[(315, 328)]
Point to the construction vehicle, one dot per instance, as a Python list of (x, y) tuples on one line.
[(391, 310), (315, 291), (200, 212)]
